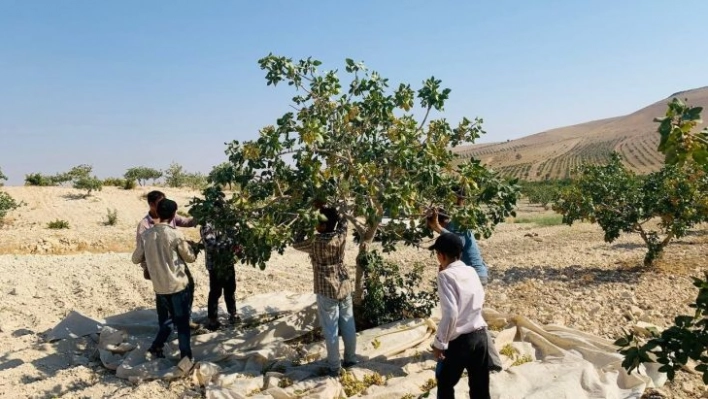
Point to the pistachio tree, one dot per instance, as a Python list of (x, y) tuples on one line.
[(686, 152), (353, 142)]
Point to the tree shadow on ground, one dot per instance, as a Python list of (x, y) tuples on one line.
[(575, 275)]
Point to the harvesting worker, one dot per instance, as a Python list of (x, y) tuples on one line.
[(333, 287), (153, 198), (461, 341), (220, 253), (166, 253)]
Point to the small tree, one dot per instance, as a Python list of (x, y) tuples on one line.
[(175, 176), (3, 178), (141, 174), (89, 184), (621, 202), (361, 150)]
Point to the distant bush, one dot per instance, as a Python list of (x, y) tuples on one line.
[(114, 182), (129, 184), (196, 181), (175, 176), (58, 224), (38, 179), (3, 178), (111, 217)]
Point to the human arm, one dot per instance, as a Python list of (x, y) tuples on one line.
[(185, 250), (304, 245), (181, 221), (139, 252), (449, 307)]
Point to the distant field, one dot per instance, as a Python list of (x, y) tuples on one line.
[(554, 154)]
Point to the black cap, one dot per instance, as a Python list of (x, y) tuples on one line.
[(448, 244)]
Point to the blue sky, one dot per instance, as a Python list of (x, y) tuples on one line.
[(124, 83)]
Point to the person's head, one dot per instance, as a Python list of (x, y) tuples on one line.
[(329, 225), (166, 210), (153, 197), (448, 248)]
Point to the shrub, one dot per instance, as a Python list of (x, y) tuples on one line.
[(392, 295), (7, 204), (38, 179), (3, 178), (129, 184), (111, 217), (58, 224), (195, 181), (114, 182)]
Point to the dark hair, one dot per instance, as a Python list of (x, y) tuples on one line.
[(332, 218), (166, 209), (154, 196), (449, 245)]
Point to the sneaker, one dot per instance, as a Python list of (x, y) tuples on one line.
[(234, 319)]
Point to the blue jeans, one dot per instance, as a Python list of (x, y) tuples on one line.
[(337, 316), (174, 309)]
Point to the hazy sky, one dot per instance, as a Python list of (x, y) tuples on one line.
[(125, 83)]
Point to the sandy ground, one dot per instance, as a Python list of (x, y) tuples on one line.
[(562, 274)]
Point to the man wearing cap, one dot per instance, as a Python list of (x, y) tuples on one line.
[(165, 253), (461, 341)]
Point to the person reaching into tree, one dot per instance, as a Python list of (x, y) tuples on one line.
[(333, 287), (220, 252)]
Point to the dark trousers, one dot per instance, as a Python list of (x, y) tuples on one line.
[(174, 309), (466, 352), (226, 283)]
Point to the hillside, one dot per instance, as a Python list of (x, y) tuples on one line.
[(552, 154)]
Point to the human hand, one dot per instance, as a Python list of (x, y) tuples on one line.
[(438, 354)]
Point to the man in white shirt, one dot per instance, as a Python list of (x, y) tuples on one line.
[(461, 341)]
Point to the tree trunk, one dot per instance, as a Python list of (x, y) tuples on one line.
[(366, 241)]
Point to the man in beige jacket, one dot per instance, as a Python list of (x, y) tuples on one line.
[(165, 251)]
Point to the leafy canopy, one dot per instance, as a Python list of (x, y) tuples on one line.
[(353, 142)]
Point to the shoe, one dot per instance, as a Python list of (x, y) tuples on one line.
[(348, 365), (495, 369), (156, 352), (234, 319), (212, 325), (335, 373)]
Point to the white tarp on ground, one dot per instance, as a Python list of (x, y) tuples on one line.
[(270, 361)]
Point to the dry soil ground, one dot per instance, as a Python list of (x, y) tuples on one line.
[(561, 274)]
